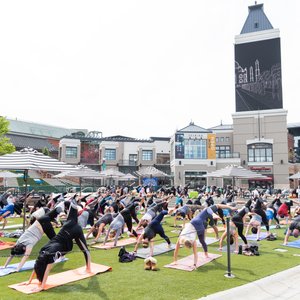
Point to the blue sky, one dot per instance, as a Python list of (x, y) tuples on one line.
[(134, 68)]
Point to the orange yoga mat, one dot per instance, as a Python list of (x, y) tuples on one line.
[(186, 264), (61, 278), (6, 245), (120, 243)]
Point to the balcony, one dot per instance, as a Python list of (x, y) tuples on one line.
[(224, 155), (127, 162)]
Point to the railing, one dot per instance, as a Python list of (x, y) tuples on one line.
[(127, 162), (228, 155)]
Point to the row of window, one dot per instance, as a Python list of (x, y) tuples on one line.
[(222, 139), (111, 154), (260, 152)]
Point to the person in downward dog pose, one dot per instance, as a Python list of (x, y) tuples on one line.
[(60, 245)]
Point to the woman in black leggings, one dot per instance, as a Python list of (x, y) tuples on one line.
[(238, 220), (151, 231), (58, 246), (258, 209)]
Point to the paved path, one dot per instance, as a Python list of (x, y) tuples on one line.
[(282, 285)]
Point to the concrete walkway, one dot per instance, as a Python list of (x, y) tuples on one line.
[(283, 285)]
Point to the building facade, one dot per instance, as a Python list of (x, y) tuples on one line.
[(258, 139)]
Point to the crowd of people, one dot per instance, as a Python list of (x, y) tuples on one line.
[(110, 210)]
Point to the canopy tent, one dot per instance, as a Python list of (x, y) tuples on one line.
[(150, 172), (235, 172), (81, 172), (30, 159)]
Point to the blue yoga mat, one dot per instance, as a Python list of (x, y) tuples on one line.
[(27, 266), (293, 244), (158, 249), (253, 237)]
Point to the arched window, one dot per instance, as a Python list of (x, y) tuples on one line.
[(260, 152)]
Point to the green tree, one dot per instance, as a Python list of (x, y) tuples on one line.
[(5, 145)]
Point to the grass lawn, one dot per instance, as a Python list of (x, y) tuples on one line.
[(130, 281)]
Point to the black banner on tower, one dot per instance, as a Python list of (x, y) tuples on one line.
[(258, 75)]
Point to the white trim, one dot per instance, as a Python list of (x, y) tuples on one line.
[(257, 36), (261, 113), (260, 141), (260, 164)]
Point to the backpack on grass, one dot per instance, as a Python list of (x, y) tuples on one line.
[(125, 256)]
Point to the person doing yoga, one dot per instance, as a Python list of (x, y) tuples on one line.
[(60, 245), (31, 236), (294, 229), (100, 224), (197, 227), (254, 224), (151, 231), (239, 219), (124, 217)]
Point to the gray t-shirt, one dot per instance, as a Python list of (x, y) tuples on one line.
[(83, 219), (31, 236), (117, 223)]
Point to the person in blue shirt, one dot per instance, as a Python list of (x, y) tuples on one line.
[(5, 212)]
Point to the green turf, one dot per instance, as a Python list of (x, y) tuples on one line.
[(130, 281)]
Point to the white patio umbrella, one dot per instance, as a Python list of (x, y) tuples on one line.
[(81, 172), (30, 159), (151, 171), (128, 176), (112, 173), (234, 172), (8, 174), (295, 176)]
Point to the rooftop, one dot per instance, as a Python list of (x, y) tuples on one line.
[(43, 130), (256, 20)]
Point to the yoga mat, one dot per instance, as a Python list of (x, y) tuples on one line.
[(293, 244), (253, 237), (6, 245), (272, 227), (208, 240), (16, 226), (29, 265), (211, 230), (186, 264), (120, 243), (61, 278), (158, 249), (280, 250), (224, 249)]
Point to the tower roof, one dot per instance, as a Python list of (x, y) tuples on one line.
[(256, 20)]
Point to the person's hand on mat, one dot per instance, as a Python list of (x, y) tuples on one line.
[(25, 283), (37, 289)]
